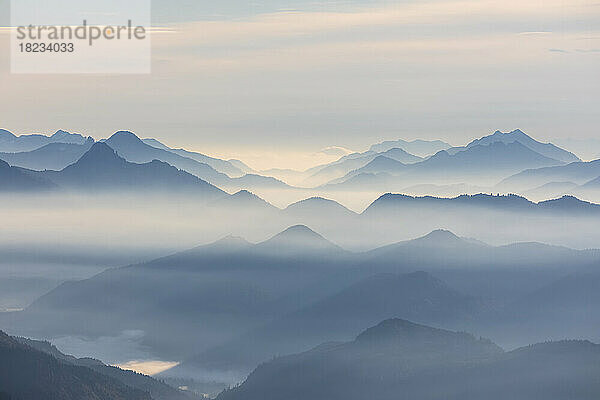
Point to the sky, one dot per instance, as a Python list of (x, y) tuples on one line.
[(274, 82)]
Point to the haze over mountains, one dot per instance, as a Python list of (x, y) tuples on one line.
[(235, 304), (502, 162), (421, 362), (11, 143), (34, 370), (100, 253)]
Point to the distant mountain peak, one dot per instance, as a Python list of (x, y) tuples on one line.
[(299, 237), (100, 154), (125, 136), (568, 202), (441, 234), (245, 194), (315, 200), (229, 242), (547, 150), (439, 237), (60, 133), (298, 231), (396, 328)]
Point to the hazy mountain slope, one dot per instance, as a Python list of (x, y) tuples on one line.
[(573, 300), (14, 179), (102, 169), (576, 172), (245, 202), (129, 146), (478, 164), (496, 157), (342, 167), (376, 360), (496, 274), (401, 156), (54, 156), (389, 203), (133, 149), (29, 374), (418, 296), (550, 190), (241, 166), (570, 204), (401, 358), (318, 208), (546, 149), (381, 164), (198, 298), (422, 148), (10, 143), (223, 166), (335, 170), (157, 389), (256, 181), (593, 184)]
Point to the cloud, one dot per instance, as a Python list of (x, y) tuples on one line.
[(335, 151), (271, 87)]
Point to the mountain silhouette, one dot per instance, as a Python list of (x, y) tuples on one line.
[(133, 149), (226, 167), (101, 168), (422, 148), (478, 164), (343, 167), (550, 190), (389, 202), (10, 143), (569, 204), (423, 363), (318, 207), (298, 239), (13, 179), (494, 157), (417, 296), (54, 156), (576, 172), (245, 202), (382, 164), (156, 389), (401, 156), (230, 286), (546, 149), (379, 359), (29, 374)]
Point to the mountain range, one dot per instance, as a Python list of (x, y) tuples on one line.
[(231, 304), (528, 164), (548, 150), (30, 374), (53, 156), (9, 143), (418, 296), (576, 172), (13, 179), (421, 148), (398, 357), (101, 169), (478, 164)]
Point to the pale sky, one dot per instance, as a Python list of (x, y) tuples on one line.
[(275, 82)]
